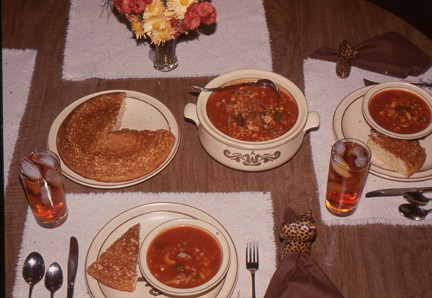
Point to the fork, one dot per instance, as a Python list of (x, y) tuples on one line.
[(252, 260)]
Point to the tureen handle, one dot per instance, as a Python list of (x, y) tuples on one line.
[(190, 112), (313, 121)]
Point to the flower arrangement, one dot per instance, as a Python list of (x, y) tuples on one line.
[(163, 20)]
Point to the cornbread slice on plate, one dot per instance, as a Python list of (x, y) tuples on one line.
[(117, 266), (401, 156), (91, 143)]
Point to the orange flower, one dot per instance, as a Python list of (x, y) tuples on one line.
[(137, 27)]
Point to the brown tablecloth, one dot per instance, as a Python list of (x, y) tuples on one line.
[(297, 28)]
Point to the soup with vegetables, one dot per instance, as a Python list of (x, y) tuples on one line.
[(184, 257), (252, 113), (400, 111)]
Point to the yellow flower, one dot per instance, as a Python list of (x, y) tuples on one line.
[(159, 29), (137, 27), (154, 9), (159, 37), (151, 25), (179, 7)]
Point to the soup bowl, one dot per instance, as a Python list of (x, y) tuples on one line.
[(170, 249), (251, 156), (391, 114)]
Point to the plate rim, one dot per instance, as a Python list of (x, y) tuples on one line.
[(338, 134), (72, 175), (126, 216)]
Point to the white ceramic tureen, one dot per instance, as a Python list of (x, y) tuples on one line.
[(245, 155)]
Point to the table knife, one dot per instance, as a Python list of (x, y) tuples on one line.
[(396, 191), (72, 265)]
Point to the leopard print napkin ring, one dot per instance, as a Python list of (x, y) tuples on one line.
[(343, 63), (298, 234)]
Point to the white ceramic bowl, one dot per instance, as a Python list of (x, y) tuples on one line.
[(206, 287), (401, 86), (244, 155)]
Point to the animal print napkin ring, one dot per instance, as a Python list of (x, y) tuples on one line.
[(343, 63), (298, 234)]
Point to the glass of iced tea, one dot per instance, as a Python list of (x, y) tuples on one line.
[(349, 166), (42, 179)]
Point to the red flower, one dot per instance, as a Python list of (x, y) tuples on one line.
[(177, 26), (131, 6), (209, 19), (207, 13), (191, 20), (205, 9), (197, 13), (193, 7)]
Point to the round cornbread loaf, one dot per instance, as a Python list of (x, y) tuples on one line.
[(90, 143)]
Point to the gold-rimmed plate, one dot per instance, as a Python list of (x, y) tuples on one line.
[(142, 112), (348, 122), (150, 216)]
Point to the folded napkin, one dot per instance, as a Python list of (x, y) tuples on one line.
[(18, 66), (390, 54), (298, 276)]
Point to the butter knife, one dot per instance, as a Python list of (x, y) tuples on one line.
[(396, 191), (72, 265)]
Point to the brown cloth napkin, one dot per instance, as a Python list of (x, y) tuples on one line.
[(390, 54), (298, 276)]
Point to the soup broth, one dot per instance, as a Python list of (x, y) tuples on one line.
[(184, 257), (400, 111), (252, 113)]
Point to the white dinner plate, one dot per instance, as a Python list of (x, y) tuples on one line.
[(150, 216), (348, 122), (142, 112)]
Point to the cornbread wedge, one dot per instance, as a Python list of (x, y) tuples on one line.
[(117, 266), (401, 156)]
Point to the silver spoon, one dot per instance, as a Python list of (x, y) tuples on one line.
[(416, 197), (413, 211), (53, 278), (257, 82), (33, 270)]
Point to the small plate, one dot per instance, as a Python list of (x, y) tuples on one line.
[(151, 216), (142, 112), (348, 122)]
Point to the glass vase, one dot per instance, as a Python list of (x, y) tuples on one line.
[(165, 58)]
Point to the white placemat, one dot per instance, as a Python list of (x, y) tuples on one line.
[(242, 214), (102, 47), (324, 90), (18, 66)]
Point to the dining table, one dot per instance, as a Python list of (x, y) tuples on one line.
[(363, 258)]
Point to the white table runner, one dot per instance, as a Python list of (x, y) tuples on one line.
[(324, 90), (18, 66), (102, 47), (242, 214)]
